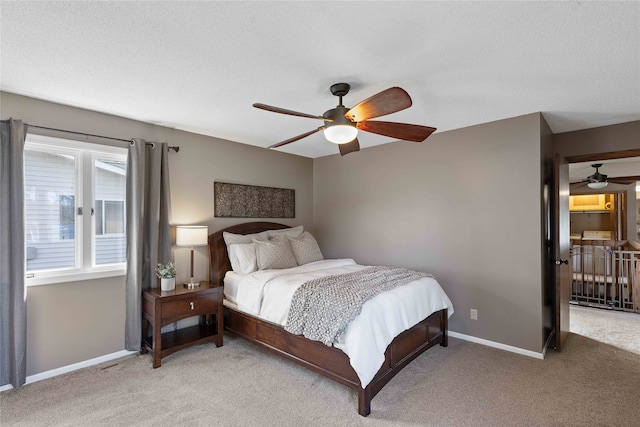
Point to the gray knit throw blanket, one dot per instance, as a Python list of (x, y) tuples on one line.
[(322, 308)]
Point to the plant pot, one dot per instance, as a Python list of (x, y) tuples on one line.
[(168, 284)]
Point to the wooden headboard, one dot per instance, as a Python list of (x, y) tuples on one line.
[(218, 255)]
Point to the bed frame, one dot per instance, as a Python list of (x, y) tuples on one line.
[(328, 361)]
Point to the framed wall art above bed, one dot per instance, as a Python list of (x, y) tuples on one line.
[(253, 201)]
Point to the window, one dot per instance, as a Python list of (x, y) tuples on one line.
[(75, 210), (67, 217), (109, 217)]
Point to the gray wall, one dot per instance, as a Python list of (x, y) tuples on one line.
[(69, 323), (605, 139), (464, 205), (72, 322)]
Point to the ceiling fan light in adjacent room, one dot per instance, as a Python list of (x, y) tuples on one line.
[(340, 134), (597, 180), (597, 185)]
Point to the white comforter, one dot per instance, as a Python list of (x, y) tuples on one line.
[(267, 294)]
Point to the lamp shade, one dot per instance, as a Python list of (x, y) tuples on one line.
[(191, 235)]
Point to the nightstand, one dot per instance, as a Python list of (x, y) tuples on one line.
[(162, 308)]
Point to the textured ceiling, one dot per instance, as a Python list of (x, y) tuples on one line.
[(199, 66)]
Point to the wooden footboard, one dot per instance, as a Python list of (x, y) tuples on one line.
[(332, 362)]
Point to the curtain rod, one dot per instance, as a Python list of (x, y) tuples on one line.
[(174, 148)]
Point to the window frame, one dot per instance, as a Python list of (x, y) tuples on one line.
[(86, 154)]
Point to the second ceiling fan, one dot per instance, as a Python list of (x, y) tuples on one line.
[(599, 180), (341, 124)]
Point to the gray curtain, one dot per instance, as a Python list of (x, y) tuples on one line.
[(148, 228), (13, 304)]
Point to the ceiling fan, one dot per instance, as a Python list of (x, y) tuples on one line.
[(341, 124), (598, 180)]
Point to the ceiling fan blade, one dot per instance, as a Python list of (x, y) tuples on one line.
[(349, 147), (404, 131), (386, 102), (579, 184), (289, 112), (296, 138), (624, 179)]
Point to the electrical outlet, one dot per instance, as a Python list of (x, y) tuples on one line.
[(474, 314)]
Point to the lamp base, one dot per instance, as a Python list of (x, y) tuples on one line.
[(191, 284)]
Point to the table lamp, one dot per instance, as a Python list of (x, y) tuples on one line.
[(191, 235)]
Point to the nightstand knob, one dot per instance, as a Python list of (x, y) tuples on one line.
[(192, 305)]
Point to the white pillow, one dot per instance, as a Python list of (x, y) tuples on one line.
[(274, 253), (243, 258), (231, 238), (294, 232), (305, 249)]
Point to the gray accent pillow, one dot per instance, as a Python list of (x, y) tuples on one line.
[(274, 253), (294, 232), (233, 239), (305, 249)]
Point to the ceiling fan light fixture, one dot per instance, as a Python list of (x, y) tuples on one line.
[(339, 129), (340, 134), (597, 185), (597, 180)]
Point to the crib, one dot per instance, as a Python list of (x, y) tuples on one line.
[(606, 273)]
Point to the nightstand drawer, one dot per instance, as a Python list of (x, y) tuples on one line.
[(190, 306)]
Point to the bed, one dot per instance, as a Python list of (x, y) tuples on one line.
[(328, 361)]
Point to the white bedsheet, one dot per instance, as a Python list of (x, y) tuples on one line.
[(232, 282), (267, 294)]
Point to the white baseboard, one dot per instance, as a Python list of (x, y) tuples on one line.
[(494, 344), (70, 368)]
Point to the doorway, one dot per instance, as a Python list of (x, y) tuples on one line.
[(563, 278), (605, 244)]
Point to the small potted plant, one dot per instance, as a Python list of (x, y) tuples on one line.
[(167, 275)]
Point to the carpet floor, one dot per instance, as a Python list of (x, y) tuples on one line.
[(593, 381)]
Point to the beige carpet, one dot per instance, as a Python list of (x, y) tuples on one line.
[(616, 328), (590, 383)]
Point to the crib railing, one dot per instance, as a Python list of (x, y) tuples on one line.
[(607, 274)]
